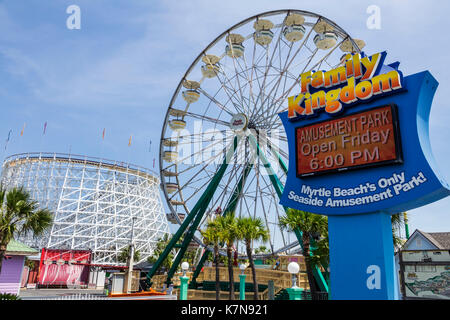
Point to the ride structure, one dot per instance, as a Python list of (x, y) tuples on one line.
[(222, 142), (93, 201)]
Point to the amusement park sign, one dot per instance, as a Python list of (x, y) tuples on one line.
[(345, 128), (362, 84), (360, 152)]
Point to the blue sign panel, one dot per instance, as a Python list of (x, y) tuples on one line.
[(360, 151), (406, 181)]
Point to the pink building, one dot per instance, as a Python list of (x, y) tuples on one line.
[(13, 262)]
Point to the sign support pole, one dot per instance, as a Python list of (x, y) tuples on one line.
[(362, 265)]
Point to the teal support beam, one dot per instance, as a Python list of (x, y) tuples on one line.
[(231, 207), (280, 160), (205, 198), (199, 267), (321, 281), (187, 239), (272, 175), (232, 203), (279, 189)]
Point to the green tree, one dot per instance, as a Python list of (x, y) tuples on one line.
[(161, 244), (211, 237), (398, 223), (9, 296), (20, 215), (321, 254), (310, 224), (250, 230), (261, 249), (228, 234), (124, 253), (189, 256)]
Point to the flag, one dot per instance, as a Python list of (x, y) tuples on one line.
[(45, 126), (153, 162), (103, 135), (129, 141), (21, 132), (150, 146), (7, 139), (9, 135)]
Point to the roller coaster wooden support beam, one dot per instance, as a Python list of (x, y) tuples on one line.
[(196, 214)]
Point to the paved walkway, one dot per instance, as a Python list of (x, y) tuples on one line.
[(36, 293), (86, 294)]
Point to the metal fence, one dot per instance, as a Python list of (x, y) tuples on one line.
[(307, 295)]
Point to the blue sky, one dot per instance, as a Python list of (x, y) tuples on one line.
[(121, 68)]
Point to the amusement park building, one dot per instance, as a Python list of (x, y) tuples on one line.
[(97, 204), (423, 264)]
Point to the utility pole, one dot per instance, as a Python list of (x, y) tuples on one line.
[(405, 218)]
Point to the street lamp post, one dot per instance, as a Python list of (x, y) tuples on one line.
[(295, 293), (184, 281), (130, 259), (242, 282)]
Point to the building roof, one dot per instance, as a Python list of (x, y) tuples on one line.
[(439, 239), (144, 265), (17, 248)]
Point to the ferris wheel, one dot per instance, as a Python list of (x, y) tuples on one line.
[(223, 147)]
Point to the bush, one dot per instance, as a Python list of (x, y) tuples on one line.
[(9, 296)]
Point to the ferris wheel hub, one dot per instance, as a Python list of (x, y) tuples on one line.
[(239, 122)]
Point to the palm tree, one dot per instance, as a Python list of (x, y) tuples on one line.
[(19, 215), (398, 222), (160, 246), (321, 254), (310, 224), (228, 234), (124, 253), (250, 230), (211, 237)]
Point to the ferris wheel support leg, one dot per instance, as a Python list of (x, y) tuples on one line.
[(299, 232), (279, 189), (199, 267), (198, 210), (272, 175), (231, 206), (187, 239), (232, 203), (280, 160)]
